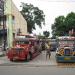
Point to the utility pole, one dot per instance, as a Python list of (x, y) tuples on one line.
[(4, 27), (3, 18)]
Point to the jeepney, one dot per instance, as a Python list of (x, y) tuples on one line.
[(66, 49), (24, 49)]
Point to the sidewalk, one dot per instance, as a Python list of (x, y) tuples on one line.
[(38, 61), (4, 60), (41, 60)]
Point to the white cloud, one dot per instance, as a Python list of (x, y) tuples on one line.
[(51, 8)]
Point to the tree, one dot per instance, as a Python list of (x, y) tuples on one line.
[(58, 27), (70, 21), (62, 25), (46, 33), (33, 15)]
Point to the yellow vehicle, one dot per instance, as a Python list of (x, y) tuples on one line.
[(66, 49)]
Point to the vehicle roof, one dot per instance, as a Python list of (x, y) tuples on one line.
[(66, 38), (26, 39), (25, 36)]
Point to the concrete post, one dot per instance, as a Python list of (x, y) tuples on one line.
[(8, 13)]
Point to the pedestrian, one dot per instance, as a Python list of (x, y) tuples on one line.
[(43, 46), (48, 52)]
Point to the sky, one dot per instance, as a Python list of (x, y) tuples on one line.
[(51, 9)]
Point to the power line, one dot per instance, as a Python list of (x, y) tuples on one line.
[(57, 0)]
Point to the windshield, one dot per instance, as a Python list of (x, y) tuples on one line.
[(18, 49), (22, 42)]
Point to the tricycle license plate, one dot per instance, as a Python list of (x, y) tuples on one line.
[(67, 58)]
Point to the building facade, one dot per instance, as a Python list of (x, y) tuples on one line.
[(19, 23), (13, 18)]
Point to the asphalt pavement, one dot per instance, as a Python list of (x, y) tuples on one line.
[(23, 70)]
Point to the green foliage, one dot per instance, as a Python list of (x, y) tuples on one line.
[(41, 37), (33, 15), (58, 26), (46, 33), (70, 21), (62, 25)]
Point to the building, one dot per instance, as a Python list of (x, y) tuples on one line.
[(18, 23)]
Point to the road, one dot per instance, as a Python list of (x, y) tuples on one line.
[(38, 66), (23, 70)]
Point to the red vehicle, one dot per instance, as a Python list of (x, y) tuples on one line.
[(24, 49)]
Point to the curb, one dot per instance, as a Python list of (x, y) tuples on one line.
[(26, 65), (35, 65)]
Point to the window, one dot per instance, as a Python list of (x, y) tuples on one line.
[(18, 31), (13, 20)]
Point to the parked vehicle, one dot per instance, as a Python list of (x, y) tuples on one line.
[(53, 44), (53, 47), (66, 49), (24, 49)]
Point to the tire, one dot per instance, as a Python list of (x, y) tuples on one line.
[(11, 60)]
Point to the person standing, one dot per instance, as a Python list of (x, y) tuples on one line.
[(48, 52), (43, 46)]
